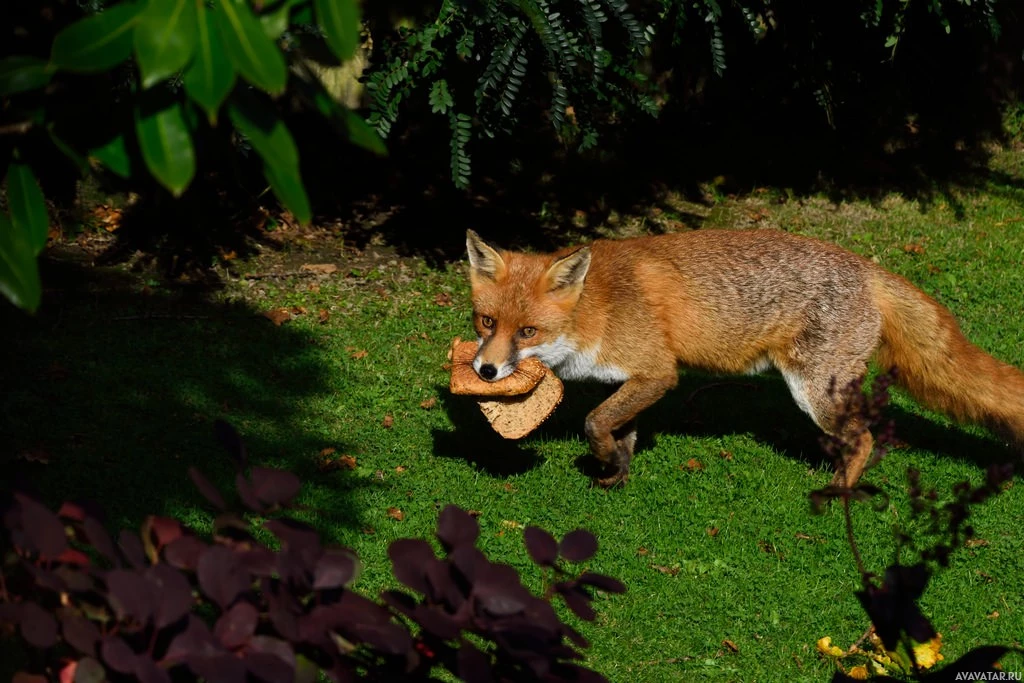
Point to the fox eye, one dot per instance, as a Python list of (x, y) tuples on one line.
[(527, 332), (487, 321)]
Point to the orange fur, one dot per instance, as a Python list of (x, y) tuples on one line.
[(633, 312)]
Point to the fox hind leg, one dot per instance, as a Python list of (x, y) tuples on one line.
[(820, 394)]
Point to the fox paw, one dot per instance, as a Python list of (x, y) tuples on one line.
[(617, 477)]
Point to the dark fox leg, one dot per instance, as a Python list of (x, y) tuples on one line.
[(611, 427)]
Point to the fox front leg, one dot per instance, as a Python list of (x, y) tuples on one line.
[(611, 427)]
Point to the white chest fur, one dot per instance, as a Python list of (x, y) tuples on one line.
[(571, 363)]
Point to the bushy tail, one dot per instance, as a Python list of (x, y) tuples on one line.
[(940, 367)]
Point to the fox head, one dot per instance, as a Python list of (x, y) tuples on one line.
[(522, 303)]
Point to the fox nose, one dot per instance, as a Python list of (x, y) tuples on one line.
[(488, 371)]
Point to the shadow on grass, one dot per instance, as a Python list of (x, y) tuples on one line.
[(111, 391), (701, 406)]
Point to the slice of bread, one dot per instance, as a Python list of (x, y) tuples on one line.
[(515, 405)]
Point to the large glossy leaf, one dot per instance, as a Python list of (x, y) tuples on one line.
[(210, 77), (114, 156), (27, 205), (256, 56), (275, 22), (98, 42), (165, 38), (21, 72), (257, 119), (166, 145), (339, 20), (19, 272), (346, 121), (287, 185)]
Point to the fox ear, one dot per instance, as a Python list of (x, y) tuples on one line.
[(566, 275), (484, 261)]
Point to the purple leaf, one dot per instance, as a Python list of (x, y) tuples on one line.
[(271, 659), (220, 576), (184, 553), (500, 592), (409, 560), (44, 532), (231, 441), (275, 487), (208, 490), (131, 546), (542, 546), (577, 600), (602, 582), (173, 594), (98, 537), (38, 626), (130, 595), (247, 493), (234, 627), (148, 671), (224, 668), (164, 529), (435, 621), (76, 581), (578, 546), (455, 527), (195, 641), (117, 655), (473, 665), (81, 634), (89, 670), (334, 569)]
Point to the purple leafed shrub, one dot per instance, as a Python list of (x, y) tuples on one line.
[(165, 604)]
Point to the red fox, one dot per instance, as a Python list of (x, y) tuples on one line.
[(633, 312)]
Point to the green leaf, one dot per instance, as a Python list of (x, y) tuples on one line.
[(98, 42), (255, 118), (440, 99), (27, 205), (275, 22), (70, 152), (210, 77), (165, 38), (19, 271), (114, 156), (166, 146), (19, 73), (259, 122), (287, 186), (255, 55), (363, 134), (340, 21)]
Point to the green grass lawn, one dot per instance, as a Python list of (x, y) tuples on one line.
[(116, 385)]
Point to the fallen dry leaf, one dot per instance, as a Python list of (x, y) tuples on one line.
[(725, 455), (388, 422), (347, 461), (670, 571), (396, 514), (641, 551), (330, 450), (443, 299), (976, 543), (992, 615), (299, 310), (359, 354), (323, 315), (278, 316), (429, 403), (712, 531), (474, 513), (228, 255), (314, 288), (730, 645), (511, 524), (913, 248), (401, 468), (692, 465), (319, 268)]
